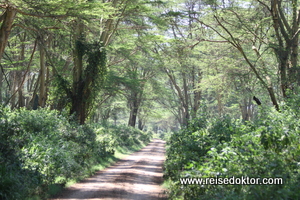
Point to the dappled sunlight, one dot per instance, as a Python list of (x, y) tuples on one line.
[(138, 176)]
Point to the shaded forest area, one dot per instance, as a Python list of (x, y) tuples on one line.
[(218, 79)]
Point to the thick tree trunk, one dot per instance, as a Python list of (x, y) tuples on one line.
[(133, 117), (78, 107), (287, 36), (78, 104), (134, 108), (8, 18)]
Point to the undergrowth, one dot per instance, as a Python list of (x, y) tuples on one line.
[(267, 147), (42, 149)]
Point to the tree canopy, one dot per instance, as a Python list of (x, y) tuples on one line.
[(217, 74), (66, 54)]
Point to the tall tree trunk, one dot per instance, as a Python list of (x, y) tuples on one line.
[(78, 105), (42, 89), (7, 19), (184, 106), (197, 93), (135, 101), (287, 36), (1, 80), (86, 82), (133, 116), (186, 102), (294, 72), (21, 72), (14, 85)]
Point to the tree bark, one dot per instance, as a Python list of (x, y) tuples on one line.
[(287, 36), (13, 88), (141, 124), (184, 108), (134, 103), (42, 88), (197, 93), (78, 105), (8, 18), (1, 80)]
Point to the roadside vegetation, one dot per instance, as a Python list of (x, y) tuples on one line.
[(221, 76), (41, 151), (223, 147)]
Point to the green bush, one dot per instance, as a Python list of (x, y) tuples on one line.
[(42, 147), (15, 181), (267, 147), (121, 136)]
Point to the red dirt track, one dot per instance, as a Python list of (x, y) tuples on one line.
[(136, 177)]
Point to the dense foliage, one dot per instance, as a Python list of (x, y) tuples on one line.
[(224, 148), (152, 65), (41, 147)]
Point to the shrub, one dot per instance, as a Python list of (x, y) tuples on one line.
[(15, 181), (267, 147), (42, 147)]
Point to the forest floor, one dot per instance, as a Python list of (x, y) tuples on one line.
[(137, 177)]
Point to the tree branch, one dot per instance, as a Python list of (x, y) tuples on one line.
[(28, 66)]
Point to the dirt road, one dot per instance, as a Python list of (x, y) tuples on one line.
[(136, 177)]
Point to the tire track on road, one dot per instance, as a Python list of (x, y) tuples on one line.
[(136, 177)]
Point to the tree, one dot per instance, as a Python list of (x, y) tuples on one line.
[(235, 26), (7, 19), (180, 62), (285, 24), (85, 81)]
